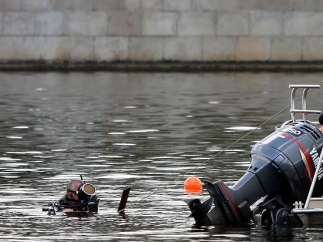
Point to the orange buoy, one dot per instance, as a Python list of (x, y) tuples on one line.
[(193, 185)]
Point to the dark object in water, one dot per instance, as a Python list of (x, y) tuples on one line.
[(281, 172), (124, 199), (87, 202)]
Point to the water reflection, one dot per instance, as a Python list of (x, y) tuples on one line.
[(147, 131)]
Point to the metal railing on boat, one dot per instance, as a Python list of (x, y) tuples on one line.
[(303, 109), (313, 205)]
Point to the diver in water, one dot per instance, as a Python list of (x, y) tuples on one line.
[(80, 197)]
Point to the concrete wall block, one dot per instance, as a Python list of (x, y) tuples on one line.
[(73, 5), (11, 5), (81, 48), (303, 23), (286, 49), (47, 48), (19, 23), (253, 49), (152, 4), (50, 23), (153, 30), (111, 48), (1, 23), (313, 49), (124, 23), (183, 48), (87, 23), (272, 5), (38, 5), (197, 24), (219, 48), (108, 5), (266, 23), (279, 5), (11, 48), (178, 5), (132, 5), (146, 49), (210, 5), (233, 24), (159, 23), (308, 5)]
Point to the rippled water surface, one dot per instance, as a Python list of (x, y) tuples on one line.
[(146, 131)]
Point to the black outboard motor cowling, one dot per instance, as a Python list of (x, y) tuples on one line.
[(281, 171)]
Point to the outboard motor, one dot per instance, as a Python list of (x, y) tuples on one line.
[(281, 170)]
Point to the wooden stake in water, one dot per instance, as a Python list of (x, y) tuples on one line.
[(124, 199)]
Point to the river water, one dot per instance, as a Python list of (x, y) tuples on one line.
[(145, 131)]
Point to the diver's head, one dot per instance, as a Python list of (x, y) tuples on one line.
[(72, 190), (77, 190)]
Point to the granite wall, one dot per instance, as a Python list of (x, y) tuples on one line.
[(161, 30)]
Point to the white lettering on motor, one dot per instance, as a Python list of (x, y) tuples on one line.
[(315, 158), (294, 131)]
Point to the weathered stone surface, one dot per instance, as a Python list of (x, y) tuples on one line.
[(184, 30), (218, 48), (303, 24), (146, 49), (233, 24), (159, 23), (111, 48), (38, 5), (124, 23), (266, 23), (73, 5), (108, 5), (10, 5), (132, 5), (50, 23), (1, 23), (87, 23), (46, 48), (272, 5), (12, 48), (286, 49), (279, 5), (308, 5), (313, 49), (178, 5), (208, 5), (183, 49), (253, 49), (19, 23), (197, 23), (152, 4), (81, 48)]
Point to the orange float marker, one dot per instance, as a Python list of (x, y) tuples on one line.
[(193, 185)]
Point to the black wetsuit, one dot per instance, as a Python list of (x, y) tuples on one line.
[(91, 204), (64, 202)]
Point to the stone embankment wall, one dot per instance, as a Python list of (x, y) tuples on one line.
[(159, 31)]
